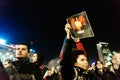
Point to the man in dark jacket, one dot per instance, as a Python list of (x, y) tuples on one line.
[(25, 70)]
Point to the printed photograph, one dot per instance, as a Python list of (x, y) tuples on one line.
[(80, 25)]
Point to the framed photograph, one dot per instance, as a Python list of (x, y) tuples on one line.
[(80, 25)]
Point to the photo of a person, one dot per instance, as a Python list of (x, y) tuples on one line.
[(75, 24), (80, 26), (82, 19), (72, 23)]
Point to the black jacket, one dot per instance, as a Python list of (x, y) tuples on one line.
[(25, 70), (68, 71)]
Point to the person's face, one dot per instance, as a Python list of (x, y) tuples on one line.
[(81, 18), (82, 62), (114, 60), (6, 64), (72, 22), (21, 51), (99, 65), (117, 56), (78, 25), (34, 57)]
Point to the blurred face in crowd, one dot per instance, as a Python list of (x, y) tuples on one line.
[(117, 56), (72, 22), (82, 62), (21, 51), (34, 57), (99, 65), (7, 64), (114, 60)]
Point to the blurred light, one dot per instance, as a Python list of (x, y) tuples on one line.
[(109, 54), (99, 45), (108, 64), (93, 63), (7, 54), (108, 58), (2, 41), (32, 50), (114, 52)]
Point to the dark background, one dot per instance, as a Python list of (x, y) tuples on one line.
[(41, 23)]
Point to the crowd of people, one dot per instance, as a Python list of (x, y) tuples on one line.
[(73, 64)]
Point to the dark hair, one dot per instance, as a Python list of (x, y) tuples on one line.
[(75, 54), (96, 63), (40, 58)]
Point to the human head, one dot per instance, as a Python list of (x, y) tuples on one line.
[(98, 65), (72, 22), (78, 24), (79, 59), (81, 18), (34, 57), (22, 50), (75, 24), (117, 57), (38, 58), (7, 63)]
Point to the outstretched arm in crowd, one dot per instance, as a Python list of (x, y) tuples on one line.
[(67, 43)]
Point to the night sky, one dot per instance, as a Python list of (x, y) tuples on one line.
[(42, 23)]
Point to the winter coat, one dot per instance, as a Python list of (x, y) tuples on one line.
[(68, 71), (25, 70)]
